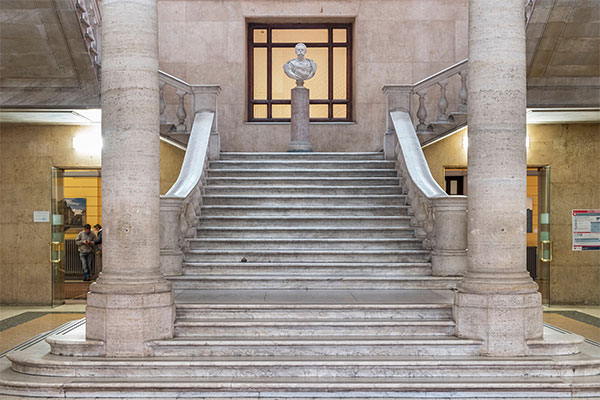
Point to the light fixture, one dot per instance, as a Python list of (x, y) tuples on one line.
[(527, 141), (88, 142), (465, 142)]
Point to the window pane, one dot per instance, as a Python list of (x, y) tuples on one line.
[(339, 73), (319, 111), (339, 111), (299, 35), (281, 111), (260, 111), (260, 35), (339, 36), (318, 84), (453, 187), (281, 84), (260, 73)]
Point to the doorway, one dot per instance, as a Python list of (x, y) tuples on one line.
[(76, 201)]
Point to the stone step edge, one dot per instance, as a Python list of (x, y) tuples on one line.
[(309, 264), (301, 197), (312, 251), (301, 154), (307, 207), (290, 322), (315, 187), (315, 306), (316, 341), (306, 228), (305, 240), (259, 277)]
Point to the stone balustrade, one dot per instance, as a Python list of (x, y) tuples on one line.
[(180, 207), (439, 219), (90, 22)]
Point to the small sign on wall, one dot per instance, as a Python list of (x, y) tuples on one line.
[(41, 216), (586, 229)]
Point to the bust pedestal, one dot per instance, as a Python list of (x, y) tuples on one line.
[(300, 120)]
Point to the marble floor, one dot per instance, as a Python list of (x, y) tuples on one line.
[(19, 323)]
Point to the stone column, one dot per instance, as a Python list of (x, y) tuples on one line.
[(497, 301), (131, 302), (300, 120)]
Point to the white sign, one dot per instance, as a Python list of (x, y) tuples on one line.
[(41, 216), (586, 229)]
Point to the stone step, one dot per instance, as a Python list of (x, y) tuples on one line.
[(308, 255), (216, 243), (272, 190), (299, 269), (302, 164), (311, 282), (300, 173), (301, 156), (233, 210), (315, 346), (309, 200), (328, 368), (305, 221), (306, 181), (307, 232), (315, 311), (238, 327)]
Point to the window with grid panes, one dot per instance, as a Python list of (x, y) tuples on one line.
[(271, 45)]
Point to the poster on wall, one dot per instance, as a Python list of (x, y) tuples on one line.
[(586, 229), (75, 213)]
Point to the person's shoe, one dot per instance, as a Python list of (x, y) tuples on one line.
[(86, 278)]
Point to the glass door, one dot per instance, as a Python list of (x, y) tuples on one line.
[(544, 239), (57, 241)]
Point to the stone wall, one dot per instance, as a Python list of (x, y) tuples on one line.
[(27, 154), (573, 153), (395, 41)]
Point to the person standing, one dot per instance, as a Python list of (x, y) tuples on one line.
[(85, 246), (98, 244)]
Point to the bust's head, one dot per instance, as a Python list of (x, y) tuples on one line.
[(300, 50)]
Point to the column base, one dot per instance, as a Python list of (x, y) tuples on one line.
[(503, 321), (125, 317), (299, 147)]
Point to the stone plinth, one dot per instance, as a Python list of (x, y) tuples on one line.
[(300, 120), (449, 256)]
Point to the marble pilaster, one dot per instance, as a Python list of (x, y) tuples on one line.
[(131, 303), (497, 301)]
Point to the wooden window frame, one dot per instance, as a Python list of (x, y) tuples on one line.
[(269, 45)]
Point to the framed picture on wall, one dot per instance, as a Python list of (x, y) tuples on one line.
[(75, 212)]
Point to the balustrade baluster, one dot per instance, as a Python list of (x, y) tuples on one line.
[(443, 102), (422, 113), (181, 114), (163, 103), (462, 94)]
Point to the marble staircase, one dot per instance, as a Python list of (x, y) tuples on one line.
[(306, 221), (305, 280)]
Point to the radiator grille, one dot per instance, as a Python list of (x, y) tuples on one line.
[(73, 263)]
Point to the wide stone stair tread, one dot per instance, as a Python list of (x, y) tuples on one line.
[(309, 322), (309, 243), (306, 210), (304, 164), (377, 340), (307, 231), (301, 155), (306, 181), (302, 172)]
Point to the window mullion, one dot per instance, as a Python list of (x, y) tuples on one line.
[(330, 72), (269, 74)]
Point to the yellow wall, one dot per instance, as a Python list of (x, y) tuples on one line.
[(27, 154), (573, 153), (171, 159)]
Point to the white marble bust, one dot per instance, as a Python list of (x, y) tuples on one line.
[(300, 68)]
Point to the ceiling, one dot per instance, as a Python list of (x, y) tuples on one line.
[(43, 56)]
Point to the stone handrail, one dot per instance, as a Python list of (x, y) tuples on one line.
[(90, 22), (453, 80), (180, 206), (439, 219)]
